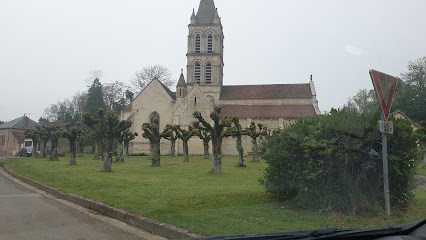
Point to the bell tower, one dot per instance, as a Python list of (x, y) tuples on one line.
[(205, 47)]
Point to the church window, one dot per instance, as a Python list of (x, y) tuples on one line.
[(180, 92), (208, 73), (195, 100), (197, 73), (153, 116), (210, 43), (197, 43)]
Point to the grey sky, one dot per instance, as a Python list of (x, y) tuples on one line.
[(48, 47)]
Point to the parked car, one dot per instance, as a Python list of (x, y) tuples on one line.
[(25, 152)]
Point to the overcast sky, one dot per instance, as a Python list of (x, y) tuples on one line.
[(48, 47)]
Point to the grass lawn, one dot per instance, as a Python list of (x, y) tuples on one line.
[(189, 196)]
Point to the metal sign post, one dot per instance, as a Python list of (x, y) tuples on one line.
[(385, 171), (385, 88)]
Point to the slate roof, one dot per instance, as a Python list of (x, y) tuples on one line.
[(273, 91), (19, 124), (181, 82), (268, 111), (171, 94), (206, 12)]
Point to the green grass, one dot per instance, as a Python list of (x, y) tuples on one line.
[(188, 195)]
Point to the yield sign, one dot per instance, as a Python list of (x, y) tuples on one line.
[(384, 85)]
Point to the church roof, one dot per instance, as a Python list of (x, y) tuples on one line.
[(206, 12), (21, 123), (268, 111), (273, 91), (170, 93)]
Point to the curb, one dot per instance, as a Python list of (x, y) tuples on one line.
[(146, 224)]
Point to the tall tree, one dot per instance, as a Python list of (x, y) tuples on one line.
[(410, 96), (169, 133), (127, 137), (185, 136), (206, 137), (72, 133), (155, 72), (364, 101), (95, 98), (218, 131), (152, 132), (42, 120), (106, 127), (116, 95), (254, 133)]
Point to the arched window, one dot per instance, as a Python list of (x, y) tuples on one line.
[(197, 73), (153, 116), (208, 73), (210, 43), (197, 43)]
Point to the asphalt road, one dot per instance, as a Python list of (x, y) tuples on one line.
[(31, 214)]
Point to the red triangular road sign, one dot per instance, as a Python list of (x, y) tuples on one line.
[(385, 86)]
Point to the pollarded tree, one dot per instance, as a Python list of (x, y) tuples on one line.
[(44, 137), (238, 132), (35, 136), (84, 139), (218, 131), (127, 137), (55, 132), (106, 128), (169, 133), (151, 131), (72, 133), (185, 135), (120, 146), (206, 137), (254, 134)]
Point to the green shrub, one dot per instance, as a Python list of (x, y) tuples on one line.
[(334, 162)]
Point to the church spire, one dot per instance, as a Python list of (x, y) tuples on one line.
[(206, 12)]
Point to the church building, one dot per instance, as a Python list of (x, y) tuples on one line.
[(276, 105)]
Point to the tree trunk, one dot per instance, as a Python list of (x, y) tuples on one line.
[(43, 152), (80, 150), (97, 151), (73, 146), (206, 149), (156, 154), (119, 157), (34, 153), (54, 155), (217, 155), (107, 155), (126, 149), (173, 148), (185, 151), (240, 150), (151, 149), (241, 159), (255, 150)]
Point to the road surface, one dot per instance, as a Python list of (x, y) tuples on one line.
[(32, 214)]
